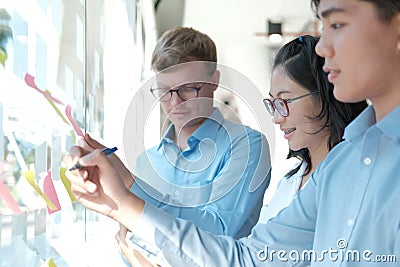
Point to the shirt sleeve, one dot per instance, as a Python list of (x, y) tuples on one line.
[(397, 245), (242, 189), (183, 244)]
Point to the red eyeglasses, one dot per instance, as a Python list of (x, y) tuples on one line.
[(281, 105)]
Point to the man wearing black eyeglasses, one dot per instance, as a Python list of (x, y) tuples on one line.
[(204, 165)]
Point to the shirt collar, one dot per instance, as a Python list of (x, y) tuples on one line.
[(388, 125), (208, 129), (360, 124), (168, 136)]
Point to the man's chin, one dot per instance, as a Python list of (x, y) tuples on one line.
[(187, 123)]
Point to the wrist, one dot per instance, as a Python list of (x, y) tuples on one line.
[(129, 209), (129, 179)]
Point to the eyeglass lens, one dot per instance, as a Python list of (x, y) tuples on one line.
[(281, 106), (185, 92)]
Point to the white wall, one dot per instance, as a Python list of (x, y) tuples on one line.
[(233, 25)]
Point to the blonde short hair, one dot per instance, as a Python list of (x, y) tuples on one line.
[(180, 45)]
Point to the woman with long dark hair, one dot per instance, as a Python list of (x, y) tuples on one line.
[(312, 120)]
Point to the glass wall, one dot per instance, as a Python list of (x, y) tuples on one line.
[(66, 67)]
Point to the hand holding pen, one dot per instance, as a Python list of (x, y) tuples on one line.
[(98, 185), (106, 151), (89, 143)]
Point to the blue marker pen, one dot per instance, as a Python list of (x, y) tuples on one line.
[(106, 151)]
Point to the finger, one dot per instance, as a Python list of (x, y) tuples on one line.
[(68, 160), (116, 236), (122, 231), (123, 246), (72, 158), (81, 183), (129, 254), (143, 261), (82, 173), (120, 236), (86, 199), (76, 152), (80, 192), (93, 143), (82, 143), (95, 158)]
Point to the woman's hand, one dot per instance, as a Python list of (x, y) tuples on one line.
[(133, 256)]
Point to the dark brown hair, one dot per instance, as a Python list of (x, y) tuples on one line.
[(300, 62), (386, 9)]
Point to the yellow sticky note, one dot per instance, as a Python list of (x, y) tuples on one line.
[(49, 263), (3, 57), (66, 183), (30, 177), (51, 102), (73, 136)]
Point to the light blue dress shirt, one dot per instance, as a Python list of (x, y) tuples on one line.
[(347, 215), (285, 192), (218, 182)]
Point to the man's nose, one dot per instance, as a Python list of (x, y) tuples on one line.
[(323, 48)]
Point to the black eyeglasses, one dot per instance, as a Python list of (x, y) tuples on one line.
[(185, 92), (281, 105)]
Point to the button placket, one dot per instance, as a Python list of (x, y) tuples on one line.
[(368, 153)]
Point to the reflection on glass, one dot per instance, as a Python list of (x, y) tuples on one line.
[(62, 45)]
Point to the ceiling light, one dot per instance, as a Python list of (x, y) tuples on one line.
[(274, 31)]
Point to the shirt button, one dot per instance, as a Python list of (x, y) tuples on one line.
[(367, 161), (176, 193), (350, 222)]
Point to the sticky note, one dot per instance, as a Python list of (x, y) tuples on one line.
[(91, 113), (55, 156), (80, 102), (69, 140), (8, 199), (51, 102), (67, 183), (50, 192), (79, 33), (30, 81), (40, 159), (1, 134), (3, 57), (49, 263), (30, 177), (68, 111)]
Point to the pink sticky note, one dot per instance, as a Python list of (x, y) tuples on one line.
[(50, 191), (30, 81), (68, 112), (8, 199)]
